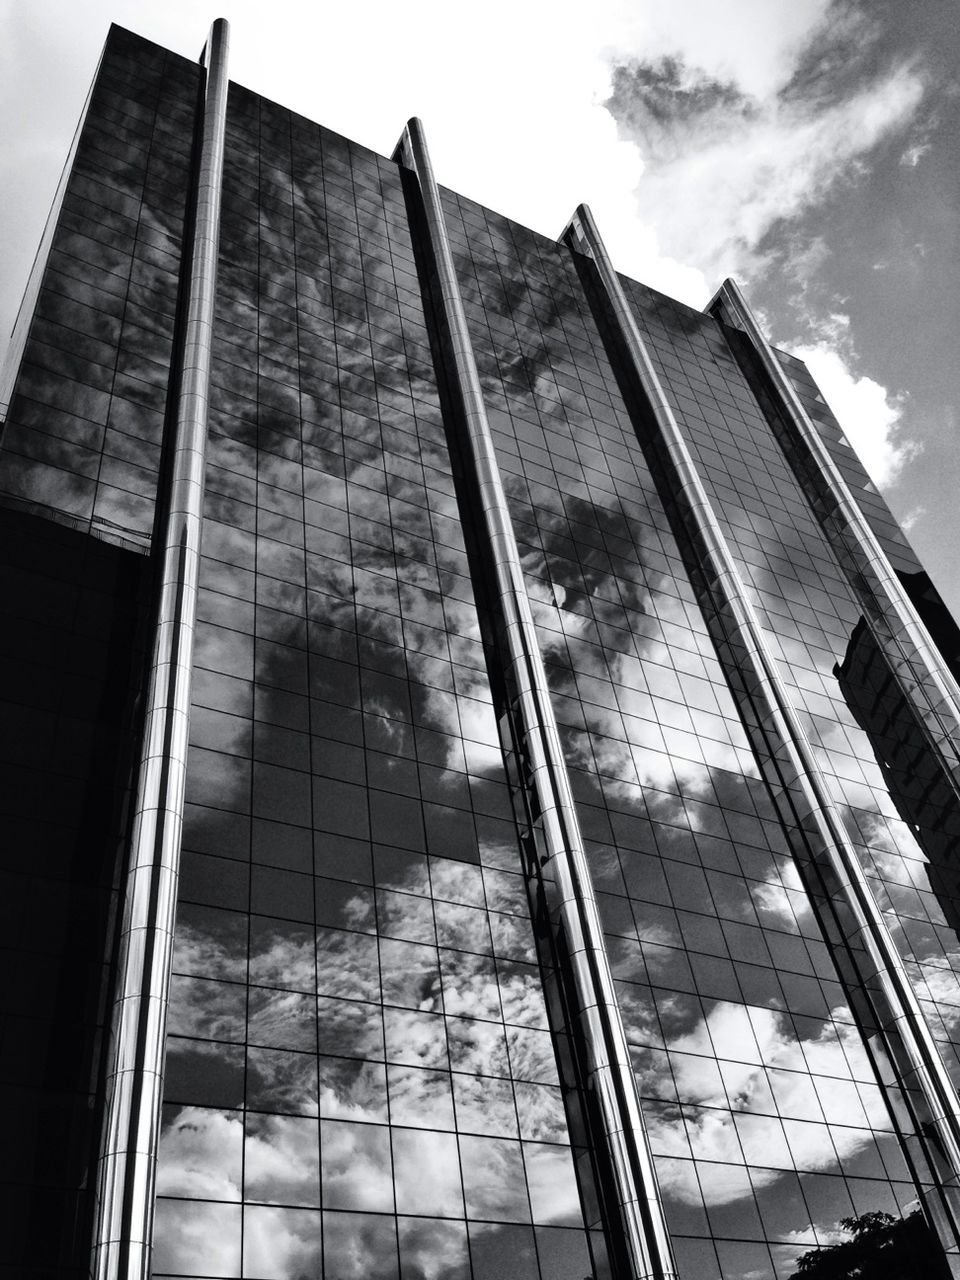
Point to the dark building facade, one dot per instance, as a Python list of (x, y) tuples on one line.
[(481, 761)]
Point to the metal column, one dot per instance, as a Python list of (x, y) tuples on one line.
[(127, 1171)]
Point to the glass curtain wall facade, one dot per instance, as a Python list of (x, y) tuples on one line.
[(403, 999)]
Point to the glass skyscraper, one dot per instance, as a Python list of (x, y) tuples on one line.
[(482, 763)]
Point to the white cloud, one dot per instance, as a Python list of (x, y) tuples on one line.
[(914, 154), (737, 145), (201, 1155), (868, 413), (520, 124), (824, 1236), (754, 44), (196, 1237), (723, 171), (758, 1049)]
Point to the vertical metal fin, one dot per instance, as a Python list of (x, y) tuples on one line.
[(609, 1071), (127, 1172)]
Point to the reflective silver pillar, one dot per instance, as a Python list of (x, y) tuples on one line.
[(127, 1172), (913, 657), (882, 979), (610, 1074)]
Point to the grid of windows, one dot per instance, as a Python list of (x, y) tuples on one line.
[(810, 614), (354, 945), (764, 1113), (81, 443)]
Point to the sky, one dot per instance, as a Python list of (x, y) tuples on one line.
[(805, 147)]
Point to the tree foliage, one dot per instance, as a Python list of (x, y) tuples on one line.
[(881, 1247)]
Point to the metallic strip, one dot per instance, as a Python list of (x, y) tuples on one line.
[(127, 1174), (915, 660), (610, 1075), (882, 977)]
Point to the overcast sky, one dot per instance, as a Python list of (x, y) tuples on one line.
[(806, 147)]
